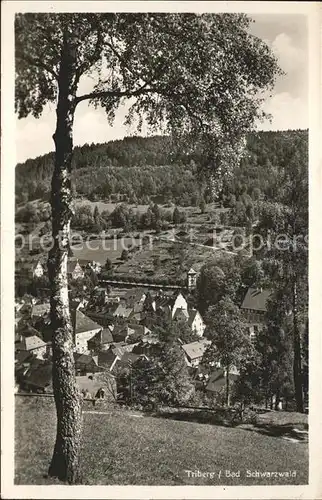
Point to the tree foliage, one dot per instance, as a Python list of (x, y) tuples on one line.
[(165, 61), (194, 76), (141, 169), (163, 379)]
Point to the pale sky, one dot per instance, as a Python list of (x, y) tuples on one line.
[(287, 36)]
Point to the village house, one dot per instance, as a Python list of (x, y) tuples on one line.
[(108, 359), (33, 345), (38, 377), (101, 314), (78, 303), (38, 270), (133, 331), (196, 322), (148, 345), (102, 340), (193, 318), (163, 304), (194, 351), (26, 330), (131, 305), (123, 311), (137, 332), (134, 296), (254, 307), (84, 330), (85, 363), (181, 315), (129, 358), (35, 269), (74, 270), (217, 380)]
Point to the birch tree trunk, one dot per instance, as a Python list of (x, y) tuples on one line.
[(65, 460)]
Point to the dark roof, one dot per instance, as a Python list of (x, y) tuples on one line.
[(29, 331), (39, 375), (106, 336), (84, 262), (106, 358), (138, 329), (129, 357), (118, 350), (83, 323), (162, 301), (103, 337), (18, 337), (23, 357), (181, 314), (29, 265), (217, 380), (167, 299), (120, 331), (123, 311), (256, 299), (134, 296), (83, 359), (192, 315)]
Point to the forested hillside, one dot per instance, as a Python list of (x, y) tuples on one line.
[(136, 169)]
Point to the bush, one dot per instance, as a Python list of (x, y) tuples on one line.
[(108, 264), (249, 416), (125, 255)]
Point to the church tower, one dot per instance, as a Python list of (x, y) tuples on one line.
[(192, 279)]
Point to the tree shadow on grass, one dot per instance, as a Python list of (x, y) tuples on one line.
[(201, 417), (225, 418), (289, 431)]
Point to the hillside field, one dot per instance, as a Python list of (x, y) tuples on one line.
[(124, 447)]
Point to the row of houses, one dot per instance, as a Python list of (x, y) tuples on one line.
[(76, 268), (130, 316), (111, 330)]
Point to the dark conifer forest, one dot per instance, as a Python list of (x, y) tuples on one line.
[(141, 170)]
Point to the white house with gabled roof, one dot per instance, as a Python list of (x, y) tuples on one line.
[(179, 303), (196, 322)]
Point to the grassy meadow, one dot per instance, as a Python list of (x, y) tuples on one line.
[(125, 447)]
